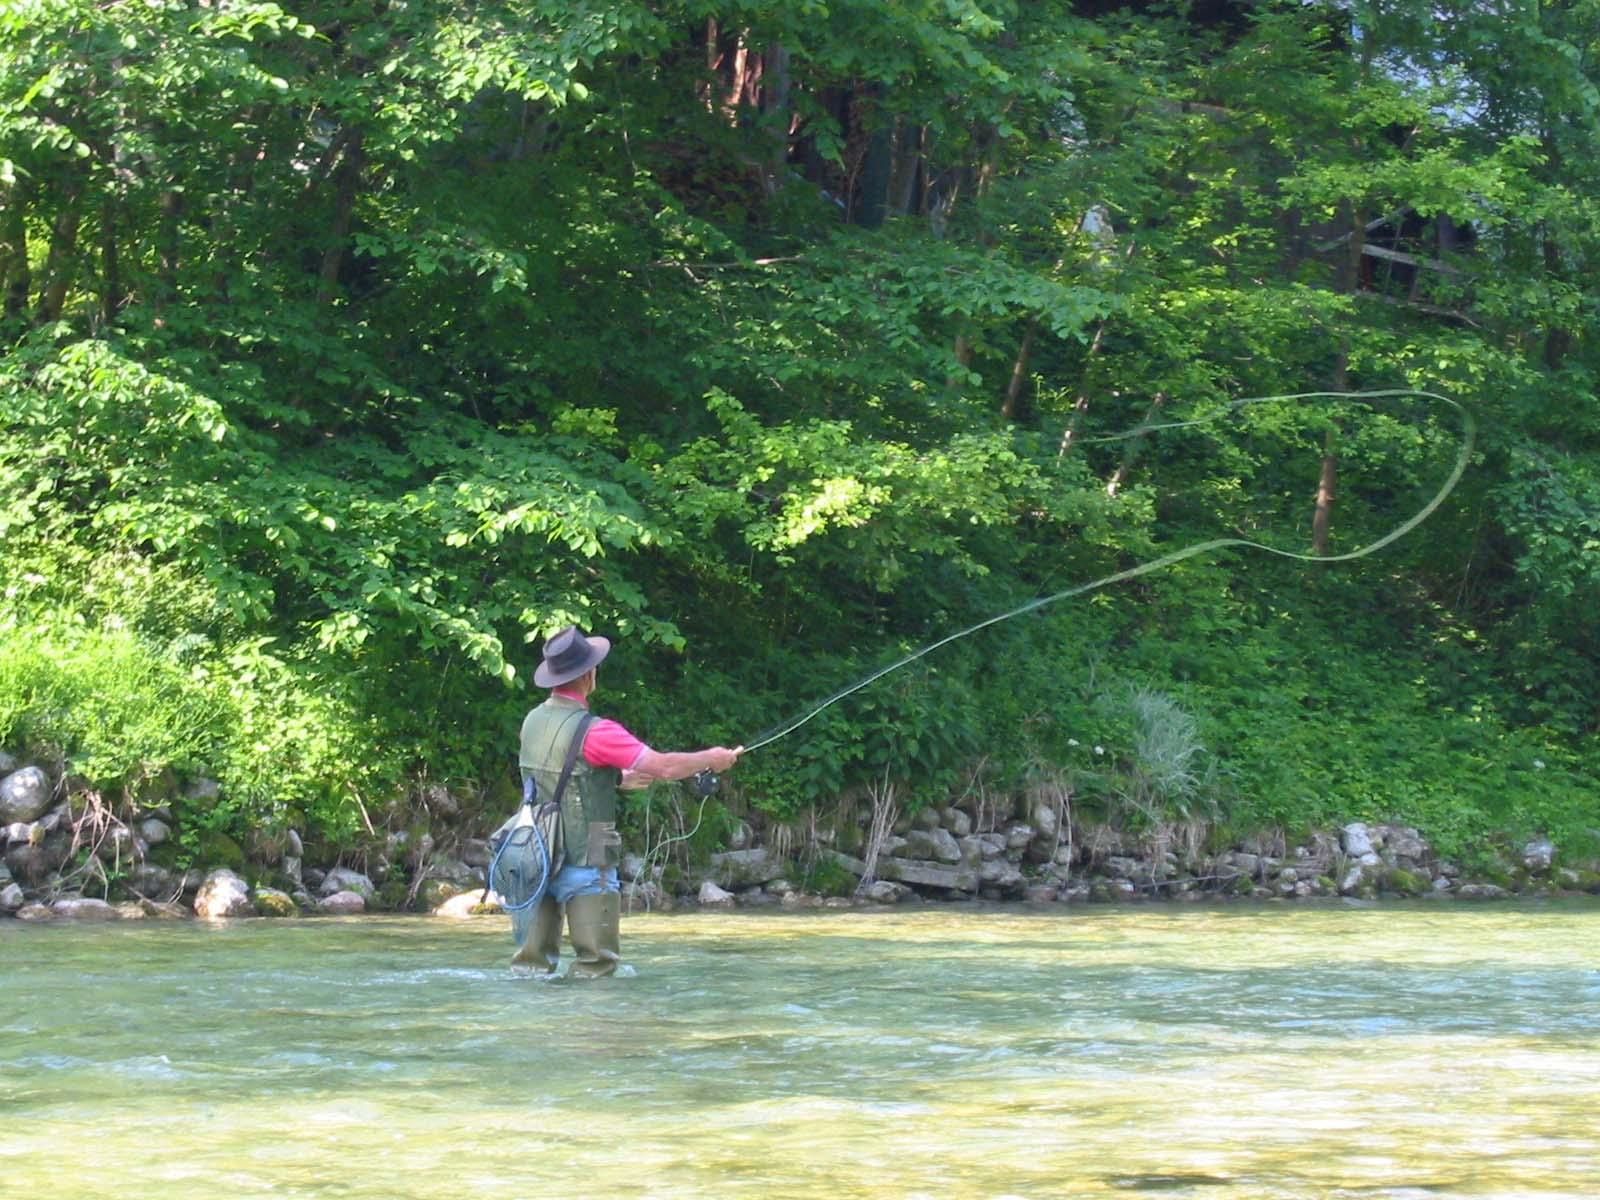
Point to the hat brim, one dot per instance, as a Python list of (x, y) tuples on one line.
[(544, 676)]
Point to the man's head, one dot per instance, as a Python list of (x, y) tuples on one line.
[(568, 656)]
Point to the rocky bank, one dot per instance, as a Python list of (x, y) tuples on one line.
[(68, 853)]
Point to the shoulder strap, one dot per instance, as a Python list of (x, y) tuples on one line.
[(573, 748)]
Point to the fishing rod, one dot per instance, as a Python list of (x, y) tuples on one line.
[(1468, 437)]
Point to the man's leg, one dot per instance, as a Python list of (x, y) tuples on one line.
[(594, 922), (542, 948)]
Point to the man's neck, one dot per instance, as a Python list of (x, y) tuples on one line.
[(571, 693)]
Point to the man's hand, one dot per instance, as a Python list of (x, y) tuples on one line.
[(722, 759)]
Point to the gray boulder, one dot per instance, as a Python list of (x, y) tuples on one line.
[(475, 852), (956, 821), (937, 845), (981, 848), (343, 904), (11, 898), (154, 831), (83, 908), (886, 891), (343, 879), (1404, 842), (1001, 874), (740, 869), (1018, 835), (1356, 839), (35, 860), (203, 788), (1045, 821), (1538, 854), (711, 894), (24, 795), (149, 879), (7, 763), (223, 895), (271, 902)]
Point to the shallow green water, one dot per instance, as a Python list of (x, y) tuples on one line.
[(1230, 1054)]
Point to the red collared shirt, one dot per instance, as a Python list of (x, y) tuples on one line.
[(606, 743)]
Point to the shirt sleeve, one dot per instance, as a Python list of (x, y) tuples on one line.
[(608, 744)]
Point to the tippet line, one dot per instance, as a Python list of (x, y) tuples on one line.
[(1469, 432)]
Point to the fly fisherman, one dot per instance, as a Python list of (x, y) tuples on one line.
[(608, 758)]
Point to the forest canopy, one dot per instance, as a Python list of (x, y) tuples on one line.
[(348, 349)]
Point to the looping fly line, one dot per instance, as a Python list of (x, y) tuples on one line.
[(1468, 435)]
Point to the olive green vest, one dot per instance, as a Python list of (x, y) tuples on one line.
[(589, 805)]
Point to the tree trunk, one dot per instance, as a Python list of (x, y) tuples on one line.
[(1131, 452), (1081, 405), (349, 182), (1328, 479), (167, 247), (1019, 371), (777, 112), (62, 256), (14, 274)]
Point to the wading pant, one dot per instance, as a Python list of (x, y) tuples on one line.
[(594, 917)]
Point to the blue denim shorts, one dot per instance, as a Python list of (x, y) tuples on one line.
[(582, 881)]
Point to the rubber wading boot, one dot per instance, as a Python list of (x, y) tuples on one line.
[(542, 948), (593, 924)]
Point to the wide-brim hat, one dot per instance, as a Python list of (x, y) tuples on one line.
[(568, 654)]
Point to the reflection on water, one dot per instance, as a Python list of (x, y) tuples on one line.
[(1230, 1054)]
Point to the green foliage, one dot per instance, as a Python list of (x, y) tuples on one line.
[(347, 353)]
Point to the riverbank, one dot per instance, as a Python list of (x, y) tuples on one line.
[(69, 853)]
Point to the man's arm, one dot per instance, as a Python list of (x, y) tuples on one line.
[(653, 764)]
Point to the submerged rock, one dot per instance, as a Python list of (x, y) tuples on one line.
[(343, 904), (270, 902), (84, 908)]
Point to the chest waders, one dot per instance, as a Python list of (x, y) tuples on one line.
[(551, 738)]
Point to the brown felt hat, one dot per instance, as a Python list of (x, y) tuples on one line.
[(568, 654)]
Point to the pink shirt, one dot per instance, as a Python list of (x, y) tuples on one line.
[(606, 743)]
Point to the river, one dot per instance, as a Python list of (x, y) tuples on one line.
[(1233, 1053)]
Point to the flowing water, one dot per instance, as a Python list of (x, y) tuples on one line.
[(1236, 1053)]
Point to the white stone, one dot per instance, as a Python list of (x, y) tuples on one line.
[(1356, 839), (223, 895), (1538, 854), (710, 893), (1354, 875), (466, 905)]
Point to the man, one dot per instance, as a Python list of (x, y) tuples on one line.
[(609, 757)]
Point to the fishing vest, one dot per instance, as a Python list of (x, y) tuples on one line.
[(589, 804)]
